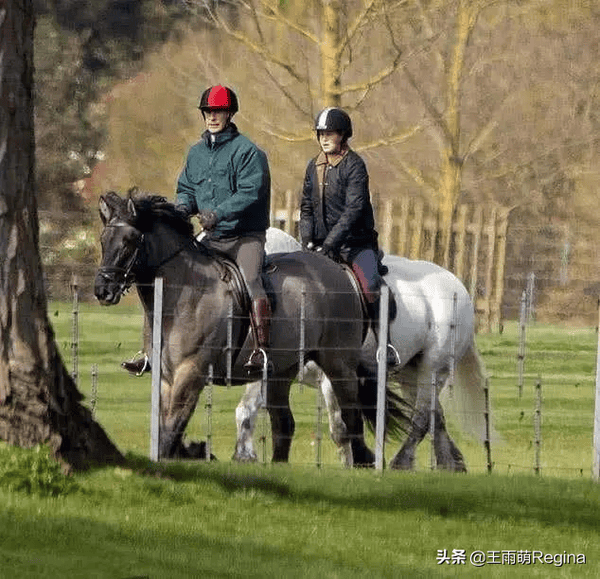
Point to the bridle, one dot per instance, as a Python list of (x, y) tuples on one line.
[(110, 272)]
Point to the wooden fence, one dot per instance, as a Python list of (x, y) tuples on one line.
[(411, 228)]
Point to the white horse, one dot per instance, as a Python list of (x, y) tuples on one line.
[(434, 334)]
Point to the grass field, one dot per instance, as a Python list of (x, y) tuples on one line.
[(228, 520)]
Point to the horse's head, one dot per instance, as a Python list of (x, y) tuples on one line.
[(121, 243)]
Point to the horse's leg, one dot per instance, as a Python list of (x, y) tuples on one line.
[(419, 426), (314, 376), (447, 454), (245, 418), (178, 401), (337, 427), (247, 410), (344, 383), (282, 420), (361, 454)]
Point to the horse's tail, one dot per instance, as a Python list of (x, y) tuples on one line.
[(398, 410), (468, 395)]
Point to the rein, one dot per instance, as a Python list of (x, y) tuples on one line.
[(129, 277)]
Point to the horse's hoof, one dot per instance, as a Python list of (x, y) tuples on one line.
[(245, 457), (453, 468), (364, 465), (197, 450), (402, 463)]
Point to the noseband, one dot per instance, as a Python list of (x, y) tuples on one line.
[(110, 272)]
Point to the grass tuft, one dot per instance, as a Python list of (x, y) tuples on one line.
[(33, 471)]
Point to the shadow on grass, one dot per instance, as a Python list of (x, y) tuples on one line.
[(82, 547), (549, 501)]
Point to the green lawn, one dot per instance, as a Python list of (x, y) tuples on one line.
[(226, 520), (223, 520)]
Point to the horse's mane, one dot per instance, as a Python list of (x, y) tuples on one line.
[(150, 208)]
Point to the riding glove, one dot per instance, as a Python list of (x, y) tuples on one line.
[(208, 219)]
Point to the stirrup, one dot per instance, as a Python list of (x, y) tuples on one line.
[(254, 369), (137, 366), (392, 359)]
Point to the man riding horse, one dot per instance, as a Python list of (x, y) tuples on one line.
[(226, 182)]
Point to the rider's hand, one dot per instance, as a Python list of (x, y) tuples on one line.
[(327, 252), (208, 219), (309, 246)]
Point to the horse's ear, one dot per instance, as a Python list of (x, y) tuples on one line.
[(104, 209), (131, 207)]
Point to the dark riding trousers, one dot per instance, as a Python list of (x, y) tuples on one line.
[(248, 253)]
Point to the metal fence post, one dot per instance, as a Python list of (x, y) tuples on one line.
[(208, 408), (487, 442), (94, 397), (522, 333), (537, 426), (75, 330), (432, 415), (381, 377), (596, 456), (156, 369)]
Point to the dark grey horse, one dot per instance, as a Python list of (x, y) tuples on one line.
[(146, 237)]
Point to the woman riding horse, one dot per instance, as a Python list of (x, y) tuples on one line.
[(336, 215)]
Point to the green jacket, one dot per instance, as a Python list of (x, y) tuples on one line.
[(229, 176)]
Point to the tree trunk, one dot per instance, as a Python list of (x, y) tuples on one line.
[(331, 61), (39, 402), (451, 170)]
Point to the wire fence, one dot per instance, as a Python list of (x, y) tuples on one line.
[(541, 360), (563, 258), (540, 377)]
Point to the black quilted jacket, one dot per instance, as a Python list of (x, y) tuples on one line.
[(337, 213)]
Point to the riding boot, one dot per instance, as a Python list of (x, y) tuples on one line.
[(260, 318), (392, 357), (137, 366)]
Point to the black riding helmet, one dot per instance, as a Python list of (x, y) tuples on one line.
[(334, 119), (219, 97)]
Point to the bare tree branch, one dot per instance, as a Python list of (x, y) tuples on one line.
[(379, 77), (287, 93), (288, 138), (418, 177), (260, 49), (486, 130), (353, 28), (392, 140), (428, 104), (434, 113), (256, 20), (278, 16), (429, 32)]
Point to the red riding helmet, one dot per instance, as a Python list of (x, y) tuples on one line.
[(219, 97), (334, 119)]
